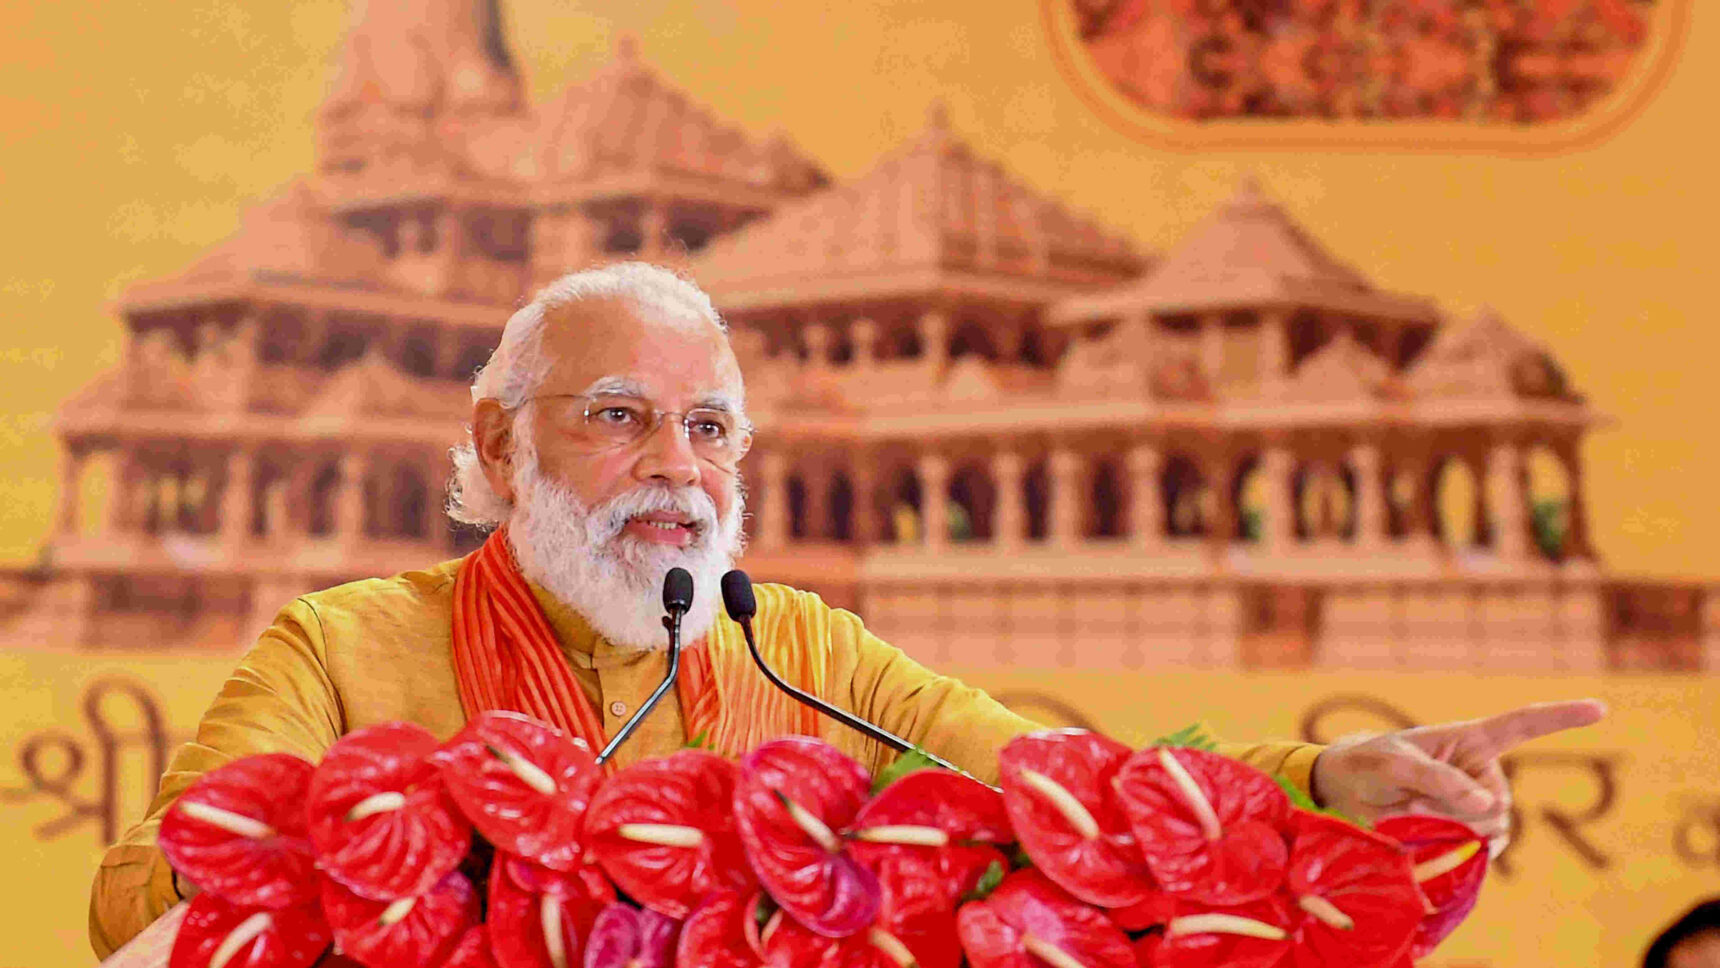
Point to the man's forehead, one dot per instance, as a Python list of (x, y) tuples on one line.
[(612, 345)]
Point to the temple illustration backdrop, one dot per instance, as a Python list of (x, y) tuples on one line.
[(984, 419), (1130, 431)]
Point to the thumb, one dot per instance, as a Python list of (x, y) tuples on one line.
[(1445, 788)]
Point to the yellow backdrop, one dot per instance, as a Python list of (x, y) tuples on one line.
[(1620, 823)]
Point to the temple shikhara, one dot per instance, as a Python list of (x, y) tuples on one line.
[(999, 430)]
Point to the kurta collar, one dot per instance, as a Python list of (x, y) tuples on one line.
[(584, 647)]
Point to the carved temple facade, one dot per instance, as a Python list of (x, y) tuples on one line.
[(1000, 431)]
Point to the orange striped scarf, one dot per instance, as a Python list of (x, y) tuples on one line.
[(506, 656)]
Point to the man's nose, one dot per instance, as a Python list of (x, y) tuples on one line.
[(666, 455)]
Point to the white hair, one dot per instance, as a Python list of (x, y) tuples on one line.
[(518, 366)]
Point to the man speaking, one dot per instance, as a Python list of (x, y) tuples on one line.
[(605, 445)]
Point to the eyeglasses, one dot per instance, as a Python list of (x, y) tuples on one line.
[(606, 421)]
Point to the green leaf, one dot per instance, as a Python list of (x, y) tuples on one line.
[(766, 908), (1020, 859), (988, 882), (914, 759), (1300, 799), (699, 742), (1192, 736)]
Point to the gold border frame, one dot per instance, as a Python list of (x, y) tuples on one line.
[(1655, 64)]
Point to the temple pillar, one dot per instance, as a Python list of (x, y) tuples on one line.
[(1577, 540), (349, 499), (124, 494), (236, 493), (816, 337), (934, 472), (864, 333), (72, 461), (1146, 505), (1370, 508), (935, 342), (1064, 524), (815, 477), (1274, 362), (773, 516), (1009, 521), (1506, 500), (1278, 527), (1212, 347), (863, 525)]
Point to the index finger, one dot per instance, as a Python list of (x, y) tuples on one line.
[(1518, 726)]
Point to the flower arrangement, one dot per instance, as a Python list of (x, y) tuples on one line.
[(508, 846)]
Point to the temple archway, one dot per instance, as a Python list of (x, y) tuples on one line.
[(973, 500), (1183, 488), (797, 523), (1106, 499), (903, 506), (1248, 504), (410, 497), (839, 508), (1325, 496), (1549, 503), (1036, 496), (325, 487), (971, 339), (1456, 504)]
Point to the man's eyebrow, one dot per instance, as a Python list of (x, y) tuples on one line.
[(718, 401), (617, 384)]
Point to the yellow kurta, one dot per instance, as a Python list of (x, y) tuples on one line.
[(377, 651)]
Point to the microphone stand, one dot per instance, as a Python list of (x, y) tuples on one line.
[(672, 622), (676, 602), (744, 616)]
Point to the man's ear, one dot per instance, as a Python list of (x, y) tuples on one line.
[(493, 438)]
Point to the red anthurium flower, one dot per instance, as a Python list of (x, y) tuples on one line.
[(1356, 892), (794, 794), (624, 936), (1153, 911), (220, 934), (928, 838), (1207, 825), (540, 918), (1450, 862), (379, 817), (407, 932), (239, 832), (1057, 791), (791, 945), (1029, 922), (664, 829), (715, 935), (1252, 935), (472, 950), (524, 785)]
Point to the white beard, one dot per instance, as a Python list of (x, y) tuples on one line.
[(614, 581)]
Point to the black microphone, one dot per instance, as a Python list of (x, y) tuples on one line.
[(677, 599), (739, 602), (677, 591)]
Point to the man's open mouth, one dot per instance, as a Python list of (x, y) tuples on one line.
[(669, 523)]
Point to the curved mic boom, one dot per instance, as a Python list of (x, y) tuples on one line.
[(739, 602), (677, 599)]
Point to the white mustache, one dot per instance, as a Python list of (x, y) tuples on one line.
[(690, 502)]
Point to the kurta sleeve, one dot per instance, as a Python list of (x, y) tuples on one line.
[(279, 700), (965, 725)]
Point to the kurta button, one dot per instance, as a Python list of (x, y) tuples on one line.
[(618, 708)]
